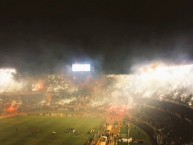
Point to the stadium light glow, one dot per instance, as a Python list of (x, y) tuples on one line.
[(80, 67), (6, 75), (8, 70)]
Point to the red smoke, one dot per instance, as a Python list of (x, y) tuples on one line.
[(13, 108)]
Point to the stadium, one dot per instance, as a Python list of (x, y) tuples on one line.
[(96, 72), (151, 106)]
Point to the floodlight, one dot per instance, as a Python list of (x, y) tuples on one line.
[(6, 75), (80, 67)]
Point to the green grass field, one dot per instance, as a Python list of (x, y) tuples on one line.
[(138, 133), (14, 130), (135, 132)]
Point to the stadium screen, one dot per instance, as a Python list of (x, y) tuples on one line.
[(80, 67)]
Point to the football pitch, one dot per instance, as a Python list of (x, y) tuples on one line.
[(138, 133), (135, 133), (46, 130)]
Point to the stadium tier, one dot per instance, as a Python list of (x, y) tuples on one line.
[(166, 115)]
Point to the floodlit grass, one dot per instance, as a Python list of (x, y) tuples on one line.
[(14, 130), (135, 132), (123, 130), (138, 133)]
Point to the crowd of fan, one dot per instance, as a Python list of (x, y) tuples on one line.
[(110, 85), (169, 124), (170, 118)]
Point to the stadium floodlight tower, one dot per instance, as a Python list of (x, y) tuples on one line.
[(82, 76), (81, 71), (81, 68)]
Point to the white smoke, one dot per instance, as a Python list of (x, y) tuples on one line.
[(157, 80), (8, 82)]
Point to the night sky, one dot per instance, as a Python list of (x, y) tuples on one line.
[(43, 37)]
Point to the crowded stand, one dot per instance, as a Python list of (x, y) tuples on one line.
[(169, 125), (159, 99)]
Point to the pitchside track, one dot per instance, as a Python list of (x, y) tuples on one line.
[(39, 130)]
